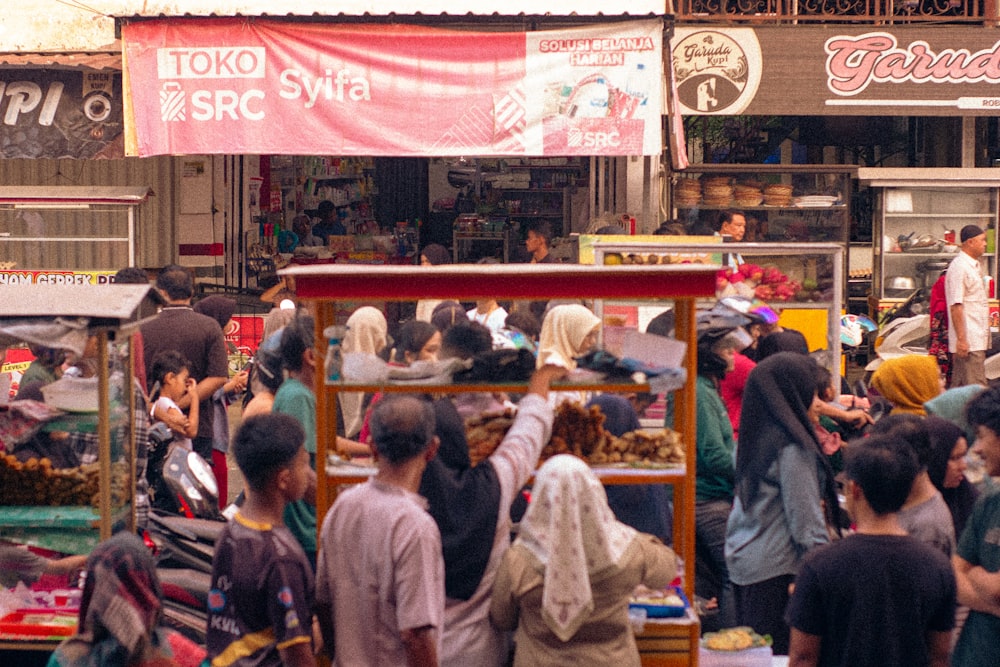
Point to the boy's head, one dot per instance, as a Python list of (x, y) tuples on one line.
[(168, 361), (983, 414), (296, 340), (402, 427), (176, 282), (824, 384), (911, 429), (269, 453), (525, 321), (884, 467)]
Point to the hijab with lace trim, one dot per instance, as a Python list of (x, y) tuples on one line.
[(908, 382), (563, 332), (120, 610), (572, 532), (367, 333)]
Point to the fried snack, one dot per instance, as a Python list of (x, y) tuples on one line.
[(485, 433), (579, 431), (36, 482), (733, 639)]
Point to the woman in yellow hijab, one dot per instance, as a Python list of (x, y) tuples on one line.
[(908, 382)]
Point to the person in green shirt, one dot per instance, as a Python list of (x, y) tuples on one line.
[(719, 337), (295, 397)]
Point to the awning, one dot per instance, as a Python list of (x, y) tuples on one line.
[(264, 86)]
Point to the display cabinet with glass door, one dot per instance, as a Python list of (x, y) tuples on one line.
[(70, 229), (919, 217), (782, 203)]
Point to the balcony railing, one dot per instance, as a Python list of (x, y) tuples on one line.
[(983, 12)]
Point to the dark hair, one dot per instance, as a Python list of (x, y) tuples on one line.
[(663, 324), (884, 467), (402, 427), (176, 281), (436, 254), (466, 339), (220, 308), (298, 336), (131, 275), (541, 227), (524, 321), (167, 361), (788, 340), (824, 381), (325, 206), (446, 314), (264, 445), (412, 337), (727, 215), (910, 428), (984, 410)]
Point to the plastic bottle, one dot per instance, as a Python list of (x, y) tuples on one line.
[(333, 362), (636, 87)]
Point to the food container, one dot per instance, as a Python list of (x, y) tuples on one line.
[(760, 656), (72, 394), (663, 610)]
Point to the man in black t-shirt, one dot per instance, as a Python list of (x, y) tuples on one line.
[(878, 597)]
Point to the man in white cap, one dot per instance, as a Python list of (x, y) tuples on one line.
[(968, 310)]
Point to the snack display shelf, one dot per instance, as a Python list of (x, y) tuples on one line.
[(680, 285)]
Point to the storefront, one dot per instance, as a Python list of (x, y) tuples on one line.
[(541, 104), (911, 108)]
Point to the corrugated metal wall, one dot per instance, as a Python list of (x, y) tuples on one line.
[(155, 242)]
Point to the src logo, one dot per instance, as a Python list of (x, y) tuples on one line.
[(578, 138)]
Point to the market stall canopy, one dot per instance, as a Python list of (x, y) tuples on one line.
[(265, 86), (63, 316)]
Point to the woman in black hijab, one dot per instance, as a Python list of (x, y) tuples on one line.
[(785, 495), (947, 469), (463, 501)]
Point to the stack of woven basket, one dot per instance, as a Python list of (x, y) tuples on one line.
[(777, 194), (687, 192), (718, 191)]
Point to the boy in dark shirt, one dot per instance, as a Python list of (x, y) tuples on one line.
[(878, 597), (260, 604)]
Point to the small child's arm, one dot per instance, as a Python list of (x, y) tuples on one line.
[(191, 429)]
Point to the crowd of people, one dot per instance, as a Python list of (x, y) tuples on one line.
[(848, 540)]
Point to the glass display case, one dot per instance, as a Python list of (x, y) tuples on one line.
[(919, 216), (782, 203), (803, 282), (678, 287)]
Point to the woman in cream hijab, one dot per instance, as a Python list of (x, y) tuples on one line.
[(367, 333), (566, 581), (567, 332)]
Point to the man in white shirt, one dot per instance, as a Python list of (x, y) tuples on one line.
[(968, 310)]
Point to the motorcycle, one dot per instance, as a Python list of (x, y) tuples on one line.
[(182, 530)]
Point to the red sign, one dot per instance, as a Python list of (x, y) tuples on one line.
[(238, 85)]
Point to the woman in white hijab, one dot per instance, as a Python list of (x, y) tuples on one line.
[(567, 332), (367, 333), (566, 581)]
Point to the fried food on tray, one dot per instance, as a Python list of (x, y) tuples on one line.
[(734, 639), (579, 431)]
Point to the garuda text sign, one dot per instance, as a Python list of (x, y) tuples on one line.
[(237, 85), (837, 70)]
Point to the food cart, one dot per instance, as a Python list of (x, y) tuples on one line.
[(65, 317)]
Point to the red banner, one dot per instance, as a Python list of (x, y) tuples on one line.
[(239, 85)]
